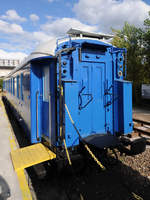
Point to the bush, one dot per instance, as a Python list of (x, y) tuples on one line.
[(1, 83)]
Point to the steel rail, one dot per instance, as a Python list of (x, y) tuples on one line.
[(141, 121)]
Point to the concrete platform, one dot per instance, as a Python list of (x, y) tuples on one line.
[(6, 168)]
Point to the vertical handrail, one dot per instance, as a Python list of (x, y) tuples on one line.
[(50, 122), (60, 86), (37, 130), (60, 101)]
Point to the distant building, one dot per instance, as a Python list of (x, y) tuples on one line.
[(7, 65), (145, 91)]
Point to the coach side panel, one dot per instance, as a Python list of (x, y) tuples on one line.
[(17, 92)]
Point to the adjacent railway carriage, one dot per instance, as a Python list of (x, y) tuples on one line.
[(73, 90)]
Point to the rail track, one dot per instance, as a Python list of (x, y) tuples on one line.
[(141, 129)]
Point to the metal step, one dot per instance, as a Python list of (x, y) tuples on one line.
[(31, 155)]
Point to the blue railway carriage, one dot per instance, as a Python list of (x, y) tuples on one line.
[(73, 90)]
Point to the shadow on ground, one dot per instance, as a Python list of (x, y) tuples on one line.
[(118, 182)]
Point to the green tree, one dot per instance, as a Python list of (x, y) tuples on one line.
[(131, 38), (146, 50)]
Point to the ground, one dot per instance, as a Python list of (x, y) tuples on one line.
[(127, 178)]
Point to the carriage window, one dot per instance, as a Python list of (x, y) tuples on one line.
[(26, 86), (18, 86), (45, 83), (21, 91), (15, 86), (12, 89), (8, 85), (11, 85)]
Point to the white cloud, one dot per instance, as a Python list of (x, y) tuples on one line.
[(14, 45), (12, 15), (49, 17), (24, 42), (36, 36), (12, 55), (111, 13), (28, 40), (59, 27), (40, 36), (34, 17), (8, 28)]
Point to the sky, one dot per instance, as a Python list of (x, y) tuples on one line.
[(25, 24)]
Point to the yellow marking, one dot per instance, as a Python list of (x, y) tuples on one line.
[(67, 153), (1, 103), (60, 130), (69, 114), (85, 145), (94, 157), (81, 197), (62, 91), (31, 155), (136, 196), (26, 194)]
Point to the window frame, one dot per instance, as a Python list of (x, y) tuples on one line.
[(46, 87)]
